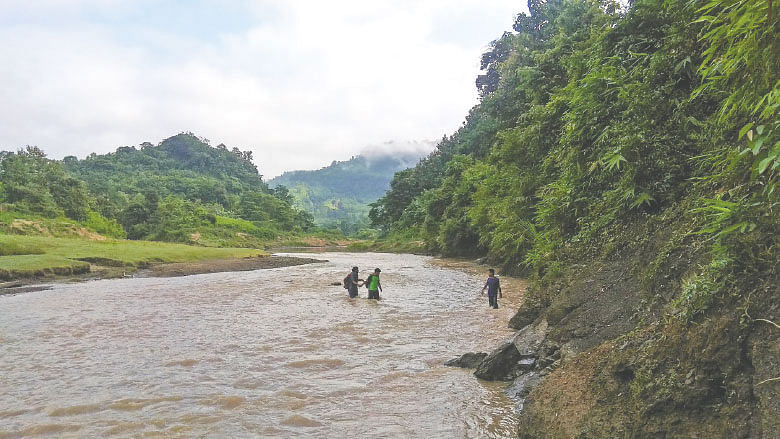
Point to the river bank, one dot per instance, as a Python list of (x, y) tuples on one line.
[(632, 344), (96, 271)]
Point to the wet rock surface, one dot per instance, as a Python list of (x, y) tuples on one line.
[(500, 364), (469, 360), (526, 352), (522, 385), (529, 340)]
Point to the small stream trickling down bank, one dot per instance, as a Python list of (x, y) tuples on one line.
[(267, 353)]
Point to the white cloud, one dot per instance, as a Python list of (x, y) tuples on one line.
[(307, 82)]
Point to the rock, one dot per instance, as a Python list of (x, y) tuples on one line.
[(525, 364), (522, 385), (517, 356), (469, 360), (500, 364), (529, 339)]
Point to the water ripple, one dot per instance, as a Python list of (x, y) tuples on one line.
[(272, 353)]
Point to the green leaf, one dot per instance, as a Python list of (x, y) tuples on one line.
[(709, 6), (745, 129), (763, 164), (756, 147), (614, 160), (707, 18), (733, 228), (643, 198)]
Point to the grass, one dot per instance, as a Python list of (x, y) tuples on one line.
[(19, 248), (27, 256)]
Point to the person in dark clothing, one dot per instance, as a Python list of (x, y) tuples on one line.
[(355, 282), (494, 288)]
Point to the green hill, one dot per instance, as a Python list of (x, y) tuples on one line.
[(181, 190), (183, 165), (339, 195)]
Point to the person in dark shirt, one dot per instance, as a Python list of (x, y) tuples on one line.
[(494, 288), (355, 282)]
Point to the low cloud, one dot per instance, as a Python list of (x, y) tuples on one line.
[(411, 150)]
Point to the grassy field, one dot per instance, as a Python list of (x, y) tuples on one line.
[(31, 256)]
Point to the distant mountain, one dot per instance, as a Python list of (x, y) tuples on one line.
[(338, 195)]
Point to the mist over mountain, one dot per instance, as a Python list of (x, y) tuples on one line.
[(409, 151), (339, 194)]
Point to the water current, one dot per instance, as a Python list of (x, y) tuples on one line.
[(267, 353)]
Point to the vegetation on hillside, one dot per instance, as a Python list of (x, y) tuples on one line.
[(338, 195), (592, 117), (182, 190), (640, 145)]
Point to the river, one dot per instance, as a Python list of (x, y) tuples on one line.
[(267, 353)]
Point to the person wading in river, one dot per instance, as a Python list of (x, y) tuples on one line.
[(374, 286), (354, 283), (494, 288)]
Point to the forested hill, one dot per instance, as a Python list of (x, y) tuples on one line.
[(181, 190), (627, 161), (182, 165), (339, 195)]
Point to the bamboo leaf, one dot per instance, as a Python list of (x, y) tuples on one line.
[(757, 145), (763, 164), (745, 129)]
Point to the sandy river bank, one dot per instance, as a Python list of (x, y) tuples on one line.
[(173, 269)]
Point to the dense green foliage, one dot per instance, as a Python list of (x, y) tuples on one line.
[(182, 190), (338, 195), (593, 116), (626, 160), (184, 166), (30, 183)]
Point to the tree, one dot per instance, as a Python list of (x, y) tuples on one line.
[(491, 60)]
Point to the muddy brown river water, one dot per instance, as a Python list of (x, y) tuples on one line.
[(266, 353)]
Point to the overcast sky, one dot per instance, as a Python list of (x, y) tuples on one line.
[(298, 82)]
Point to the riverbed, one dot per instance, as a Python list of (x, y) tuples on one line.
[(268, 353)]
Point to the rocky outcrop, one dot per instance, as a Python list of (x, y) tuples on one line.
[(526, 352), (522, 386), (500, 365), (469, 360)]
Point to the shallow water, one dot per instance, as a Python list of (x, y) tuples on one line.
[(267, 353)]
